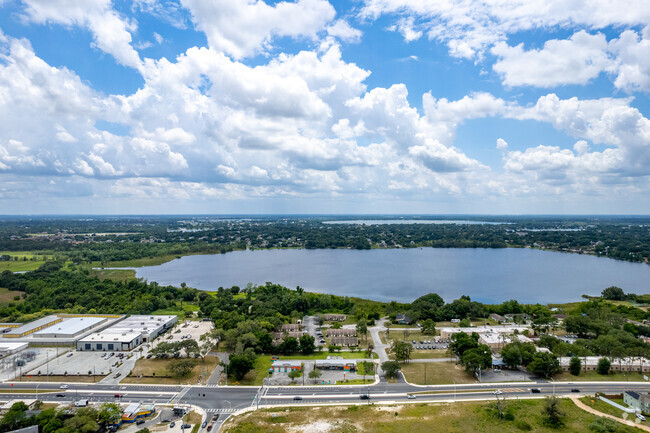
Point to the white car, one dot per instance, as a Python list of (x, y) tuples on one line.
[(64, 387), (410, 396), (498, 392), (641, 417)]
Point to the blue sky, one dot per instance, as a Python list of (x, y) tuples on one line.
[(310, 106)]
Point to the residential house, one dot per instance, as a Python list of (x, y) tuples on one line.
[(344, 341), (341, 332), (638, 401), (334, 317), (497, 318)]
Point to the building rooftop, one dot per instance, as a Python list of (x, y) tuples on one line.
[(141, 323), (35, 325), (108, 337), (71, 326)]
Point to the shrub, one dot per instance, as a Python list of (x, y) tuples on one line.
[(523, 425)]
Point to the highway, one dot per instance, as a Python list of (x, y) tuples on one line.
[(227, 399)]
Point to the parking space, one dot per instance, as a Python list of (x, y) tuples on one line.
[(188, 330), (430, 344), (81, 363)]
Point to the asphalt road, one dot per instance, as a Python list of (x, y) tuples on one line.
[(226, 399)]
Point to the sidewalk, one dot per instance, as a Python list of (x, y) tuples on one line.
[(583, 406)]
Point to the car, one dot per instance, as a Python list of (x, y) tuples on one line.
[(410, 396), (60, 395), (64, 387), (119, 395), (498, 392), (641, 417), (364, 397), (117, 375), (535, 390), (204, 425), (297, 397), (209, 427), (575, 390), (69, 354), (172, 424), (139, 421), (186, 426), (149, 356)]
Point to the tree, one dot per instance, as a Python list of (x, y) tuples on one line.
[(307, 345), (553, 417), (315, 374), (362, 329), (544, 364), (239, 365), (613, 293), (293, 375), (429, 327), (465, 323), (109, 413), (461, 341), (575, 365), (390, 368), (402, 351), (181, 367), (477, 358), (604, 364)]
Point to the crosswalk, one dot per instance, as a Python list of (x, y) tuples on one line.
[(220, 410)]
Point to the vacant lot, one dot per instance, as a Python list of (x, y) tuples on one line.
[(157, 371), (436, 373), (593, 376), (427, 354), (7, 296), (417, 418)]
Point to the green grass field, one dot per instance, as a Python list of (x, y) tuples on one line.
[(593, 376), (7, 296), (114, 274), (436, 373), (414, 418), (150, 368)]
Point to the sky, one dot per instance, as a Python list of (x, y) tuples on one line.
[(316, 106)]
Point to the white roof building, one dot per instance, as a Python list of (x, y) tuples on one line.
[(71, 327)]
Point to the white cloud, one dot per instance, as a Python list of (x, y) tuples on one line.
[(111, 32), (501, 144), (342, 30), (576, 60), (242, 28)]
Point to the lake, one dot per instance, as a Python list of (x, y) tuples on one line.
[(486, 275), (384, 222)]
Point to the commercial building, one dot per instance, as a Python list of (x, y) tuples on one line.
[(336, 363), (110, 341), (447, 332), (149, 326), (590, 363), (127, 334), (70, 328), (280, 366)]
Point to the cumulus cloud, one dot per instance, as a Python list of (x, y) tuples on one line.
[(242, 28), (111, 32)]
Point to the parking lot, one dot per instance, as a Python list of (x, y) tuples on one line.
[(80, 363), (430, 344), (183, 329)]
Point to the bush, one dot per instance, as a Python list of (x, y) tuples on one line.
[(604, 365), (603, 425), (523, 425)]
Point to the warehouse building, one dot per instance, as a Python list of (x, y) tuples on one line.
[(9, 348), (70, 328), (32, 327), (149, 326)]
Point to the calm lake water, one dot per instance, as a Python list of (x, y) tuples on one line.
[(486, 275)]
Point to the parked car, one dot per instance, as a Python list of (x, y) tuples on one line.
[(641, 417), (139, 421), (186, 426), (204, 425), (172, 424)]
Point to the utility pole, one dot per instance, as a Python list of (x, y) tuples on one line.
[(425, 373)]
